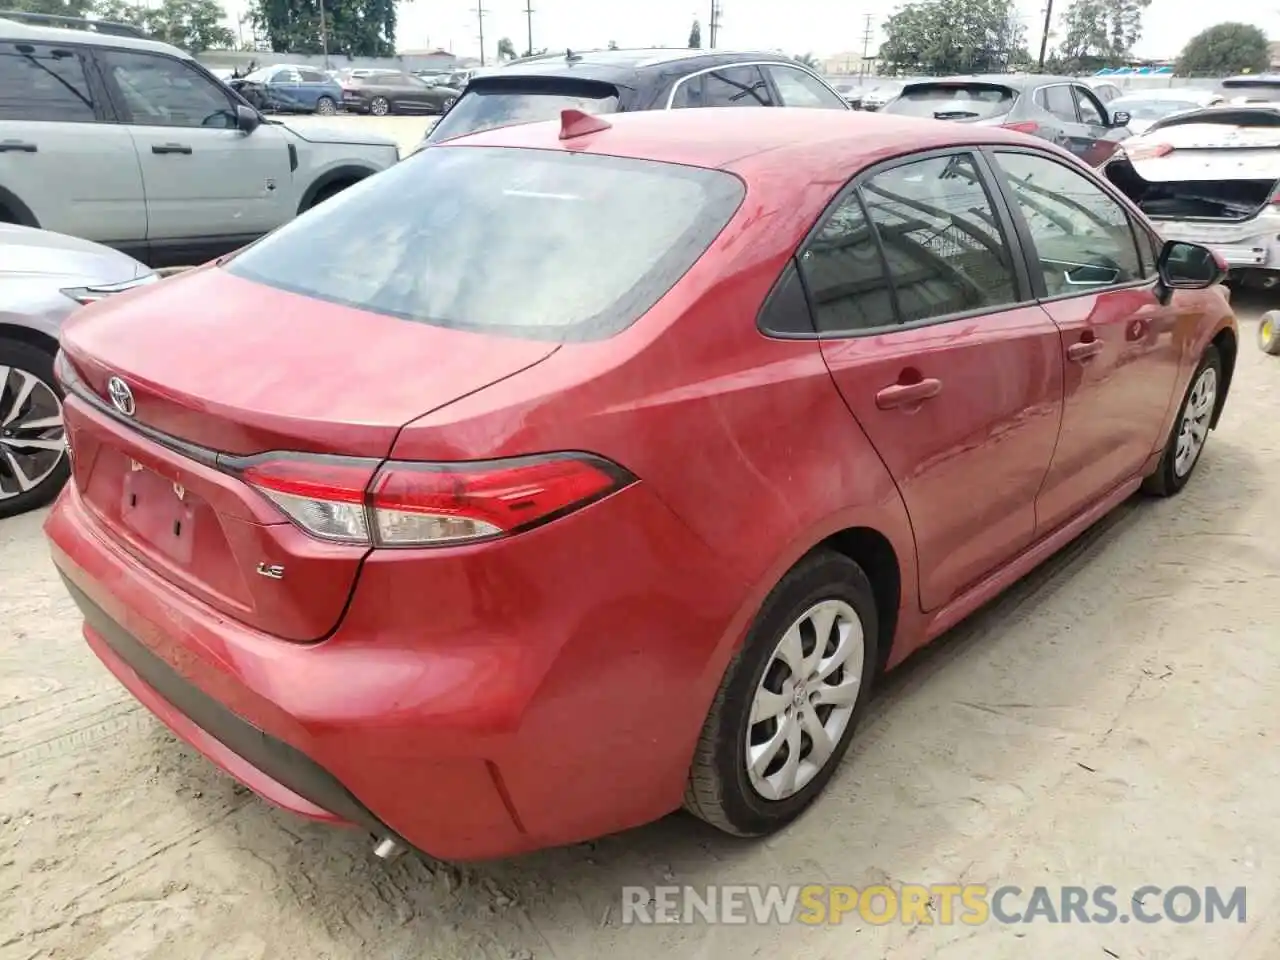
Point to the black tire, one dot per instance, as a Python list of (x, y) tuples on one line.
[(1166, 482), (33, 360), (326, 107), (719, 790)]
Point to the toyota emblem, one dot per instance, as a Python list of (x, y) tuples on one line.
[(121, 396)]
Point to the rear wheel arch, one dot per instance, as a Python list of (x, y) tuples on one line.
[(872, 551), (13, 210), (34, 338), (334, 181)]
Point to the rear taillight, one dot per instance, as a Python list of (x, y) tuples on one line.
[(402, 504), (1148, 151), (1022, 126)]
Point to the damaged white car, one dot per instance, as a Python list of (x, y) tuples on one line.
[(1211, 177)]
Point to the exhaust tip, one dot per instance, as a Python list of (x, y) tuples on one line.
[(388, 848)]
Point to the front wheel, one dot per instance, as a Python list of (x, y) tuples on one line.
[(380, 106), (1190, 429), (326, 107), (33, 457), (786, 709)]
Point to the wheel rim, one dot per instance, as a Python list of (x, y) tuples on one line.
[(1194, 427), (805, 699), (379, 107), (325, 107), (31, 435), (447, 105), (1268, 331)]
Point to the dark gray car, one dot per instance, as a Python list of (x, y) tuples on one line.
[(1062, 110), (388, 92), (44, 277)]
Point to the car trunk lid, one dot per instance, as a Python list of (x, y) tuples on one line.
[(216, 369)]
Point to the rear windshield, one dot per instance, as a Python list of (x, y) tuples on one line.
[(501, 104), (533, 243), (977, 101)]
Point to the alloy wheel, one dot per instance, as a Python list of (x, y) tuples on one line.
[(1194, 427), (379, 107), (31, 432), (326, 107), (805, 699), (448, 104)]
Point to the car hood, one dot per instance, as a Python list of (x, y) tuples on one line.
[(331, 135), (29, 253)]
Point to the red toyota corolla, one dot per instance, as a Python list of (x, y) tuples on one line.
[(570, 473)]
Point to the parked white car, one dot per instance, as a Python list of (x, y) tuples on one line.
[(1145, 107), (1212, 177), (131, 143)]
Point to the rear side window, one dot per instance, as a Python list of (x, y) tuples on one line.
[(976, 101), (845, 274), (726, 87), (532, 243), (39, 82), (492, 105), (312, 76)]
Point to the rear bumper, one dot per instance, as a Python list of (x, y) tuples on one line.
[(1252, 244), (492, 703)]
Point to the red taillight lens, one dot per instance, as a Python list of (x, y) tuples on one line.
[(429, 504), (1022, 126), (1148, 151)]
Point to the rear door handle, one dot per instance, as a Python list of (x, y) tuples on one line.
[(170, 148), (1084, 350), (17, 146), (905, 394)]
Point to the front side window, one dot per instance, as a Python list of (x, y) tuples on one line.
[(502, 240), (726, 87), (1089, 108), (40, 82), (800, 89), (1058, 101), (942, 243), (502, 104), (162, 92), (1082, 235)]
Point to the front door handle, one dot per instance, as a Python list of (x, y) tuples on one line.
[(170, 148), (1083, 350), (17, 146), (906, 394)]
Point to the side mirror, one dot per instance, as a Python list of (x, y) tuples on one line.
[(247, 118), (1120, 118), (1189, 266)]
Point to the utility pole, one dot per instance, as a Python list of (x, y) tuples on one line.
[(1044, 38), (866, 43), (528, 16), (480, 12), (713, 24)]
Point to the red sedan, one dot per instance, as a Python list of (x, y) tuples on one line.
[(567, 474)]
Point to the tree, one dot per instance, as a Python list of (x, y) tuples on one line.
[(1224, 49), (506, 49), (807, 59), (952, 36), (61, 8), (1100, 33), (695, 36), (356, 28), (194, 25)]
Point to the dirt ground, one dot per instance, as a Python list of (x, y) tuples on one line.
[(1111, 721)]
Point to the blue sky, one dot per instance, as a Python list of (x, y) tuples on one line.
[(822, 27)]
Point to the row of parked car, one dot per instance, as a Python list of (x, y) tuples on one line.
[(282, 88)]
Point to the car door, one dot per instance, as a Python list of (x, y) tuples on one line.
[(409, 93), (312, 85), (799, 88), (952, 370), (736, 85), (54, 129), (210, 187), (1059, 102), (1099, 139), (1118, 340), (284, 89)]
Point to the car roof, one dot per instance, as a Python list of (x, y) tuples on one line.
[(622, 66), (16, 30), (1014, 81), (790, 142)]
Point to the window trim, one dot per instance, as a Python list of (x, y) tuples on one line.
[(675, 87), (124, 115), (1030, 255), (103, 107), (1023, 290)]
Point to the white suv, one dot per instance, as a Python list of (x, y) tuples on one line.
[(130, 142)]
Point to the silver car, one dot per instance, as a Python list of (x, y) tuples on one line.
[(44, 277)]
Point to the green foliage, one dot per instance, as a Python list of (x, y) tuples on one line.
[(356, 28), (61, 8), (1225, 48), (506, 49), (952, 36), (695, 36), (1100, 33), (807, 59), (194, 25)]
